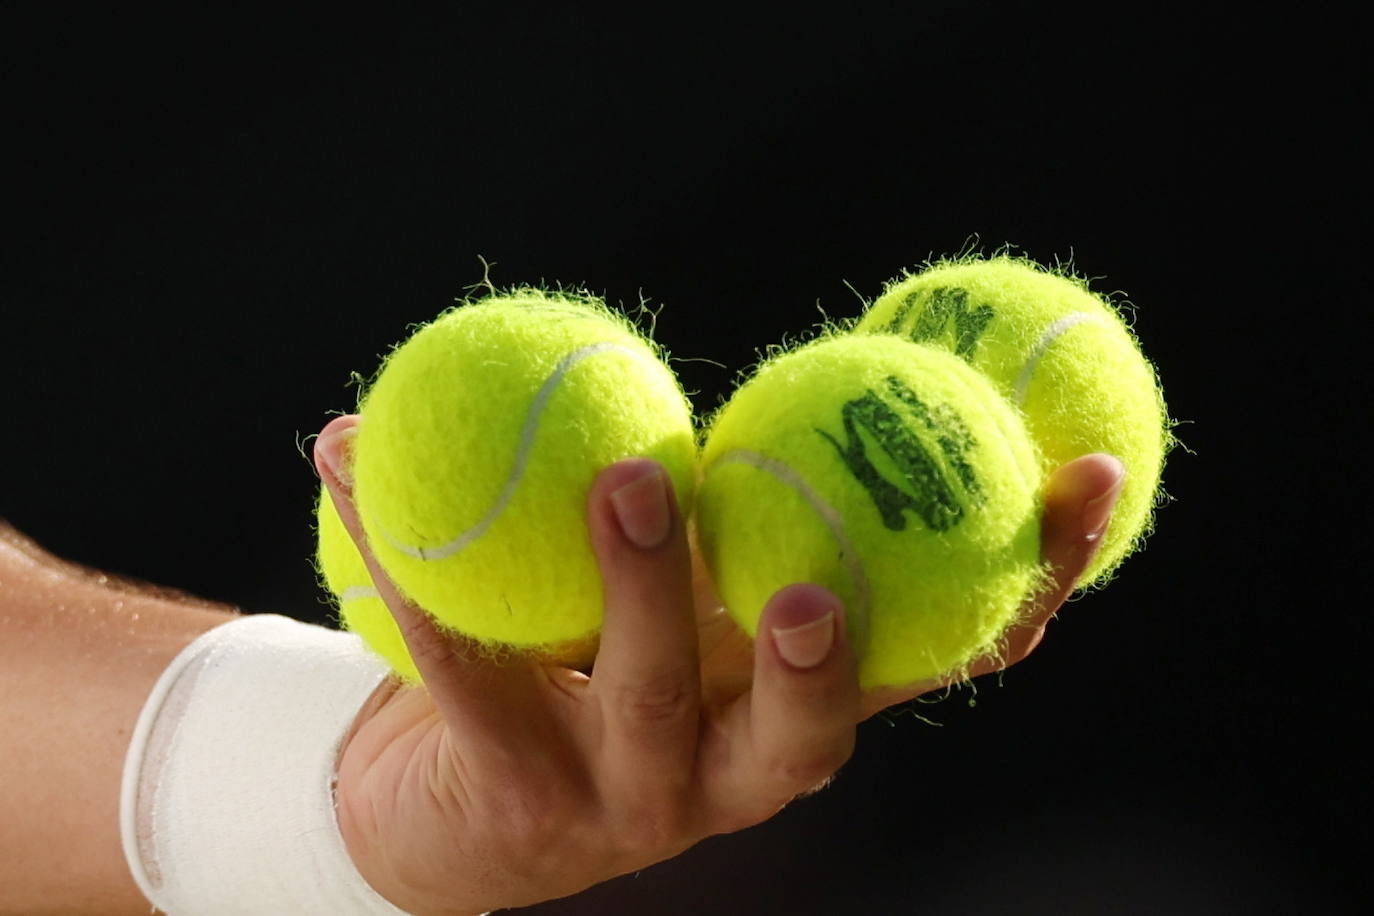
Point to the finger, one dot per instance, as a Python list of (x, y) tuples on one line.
[(469, 687), (1079, 497), (645, 676), (795, 728)]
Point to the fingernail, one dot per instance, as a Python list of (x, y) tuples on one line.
[(1097, 512), (331, 448), (641, 507), (808, 644)]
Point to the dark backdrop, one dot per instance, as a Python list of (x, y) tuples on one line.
[(211, 223)]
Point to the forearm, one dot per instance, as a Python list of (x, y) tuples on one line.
[(78, 656)]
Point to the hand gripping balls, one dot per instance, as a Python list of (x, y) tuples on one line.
[(476, 448), (891, 473), (1061, 355)]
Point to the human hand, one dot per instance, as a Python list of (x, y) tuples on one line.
[(508, 782)]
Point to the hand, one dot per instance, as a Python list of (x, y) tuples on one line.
[(1079, 498), (509, 783), (506, 783)]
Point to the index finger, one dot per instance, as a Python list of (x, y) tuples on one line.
[(469, 688)]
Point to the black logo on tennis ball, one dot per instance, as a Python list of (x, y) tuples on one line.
[(925, 487), (948, 308)]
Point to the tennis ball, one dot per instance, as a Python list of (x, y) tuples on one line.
[(894, 475), (1062, 355), (476, 447), (359, 604)]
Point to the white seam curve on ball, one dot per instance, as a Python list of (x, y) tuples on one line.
[(522, 457), (863, 594), (1005, 435), (1047, 339), (358, 593)]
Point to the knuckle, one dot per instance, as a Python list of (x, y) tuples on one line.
[(811, 771), (423, 641), (658, 699)]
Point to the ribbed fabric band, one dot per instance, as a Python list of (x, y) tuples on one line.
[(227, 804)]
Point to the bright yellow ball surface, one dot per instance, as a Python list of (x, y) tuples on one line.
[(1061, 355), (476, 449), (894, 475)]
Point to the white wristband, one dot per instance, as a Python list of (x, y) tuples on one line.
[(227, 804)]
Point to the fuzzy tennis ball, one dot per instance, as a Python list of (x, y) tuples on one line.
[(894, 475), (1058, 352), (360, 607), (476, 448)]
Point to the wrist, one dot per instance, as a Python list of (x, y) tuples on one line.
[(228, 804), (366, 801), (355, 820)]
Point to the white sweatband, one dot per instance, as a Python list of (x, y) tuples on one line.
[(227, 804)]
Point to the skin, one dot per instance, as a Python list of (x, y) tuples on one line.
[(510, 782), (63, 738), (502, 784)]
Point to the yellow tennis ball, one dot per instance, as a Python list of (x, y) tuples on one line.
[(360, 607), (1058, 352), (894, 475), (475, 451)]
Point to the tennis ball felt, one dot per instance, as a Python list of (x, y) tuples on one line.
[(894, 475), (361, 608), (1058, 352), (476, 447)]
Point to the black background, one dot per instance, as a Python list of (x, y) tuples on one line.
[(211, 223)]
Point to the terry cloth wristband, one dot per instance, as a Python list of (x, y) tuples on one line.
[(227, 803)]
